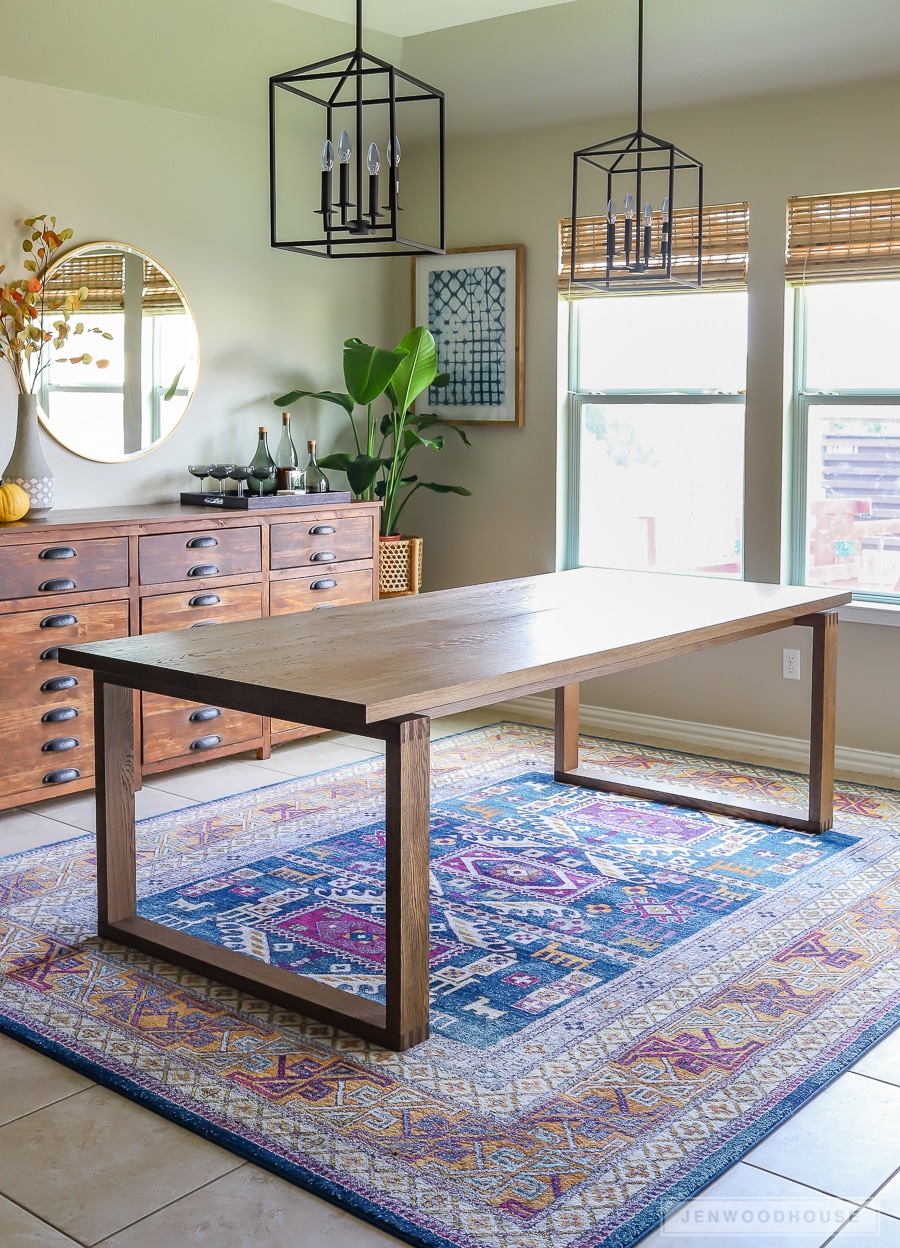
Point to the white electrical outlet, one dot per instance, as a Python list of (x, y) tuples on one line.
[(791, 664)]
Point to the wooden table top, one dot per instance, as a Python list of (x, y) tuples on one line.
[(433, 653)]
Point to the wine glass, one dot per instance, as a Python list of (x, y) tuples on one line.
[(240, 475), (262, 473), (219, 472), (201, 471)]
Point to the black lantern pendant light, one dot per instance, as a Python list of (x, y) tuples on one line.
[(345, 112), (625, 196)]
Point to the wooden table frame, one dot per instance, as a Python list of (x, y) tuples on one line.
[(393, 709)]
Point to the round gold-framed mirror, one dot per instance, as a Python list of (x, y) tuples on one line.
[(136, 326)]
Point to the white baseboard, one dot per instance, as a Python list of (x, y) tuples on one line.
[(737, 743)]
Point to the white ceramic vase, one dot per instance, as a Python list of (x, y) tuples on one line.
[(27, 466)]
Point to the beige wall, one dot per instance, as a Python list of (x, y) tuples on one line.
[(514, 188), (193, 192)]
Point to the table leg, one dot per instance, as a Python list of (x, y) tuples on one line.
[(116, 869), (566, 729), (818, 817), (822, 718), (407, 808)]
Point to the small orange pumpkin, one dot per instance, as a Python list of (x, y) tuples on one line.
[(14, 502)]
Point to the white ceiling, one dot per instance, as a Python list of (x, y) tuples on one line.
[(405, 17)]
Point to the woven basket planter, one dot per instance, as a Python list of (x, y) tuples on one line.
[(400, 566)]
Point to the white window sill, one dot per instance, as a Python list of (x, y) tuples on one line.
[(870, 613)]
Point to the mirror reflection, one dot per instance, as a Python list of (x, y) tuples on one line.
[(135, 400)]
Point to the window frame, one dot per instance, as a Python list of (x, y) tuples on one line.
[(802, 399), (578, 399)]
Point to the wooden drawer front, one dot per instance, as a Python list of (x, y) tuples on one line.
[(210, 606), (63, 567), (198, 555), (327, 589), (48, 740), (30, 674), (320, 540), (175, 728), (37, 760)]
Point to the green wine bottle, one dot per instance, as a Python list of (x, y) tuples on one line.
[(314, 480), (262, 466)]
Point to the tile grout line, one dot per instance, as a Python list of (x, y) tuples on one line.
[(821, 1190), (38, 1108), (37, 1217), (98, 1243)]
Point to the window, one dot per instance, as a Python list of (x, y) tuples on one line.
[(657, 432), (844, 255)]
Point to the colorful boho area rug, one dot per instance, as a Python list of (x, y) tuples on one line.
[(626, 996)]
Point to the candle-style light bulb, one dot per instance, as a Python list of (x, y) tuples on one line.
[(327, 166), (648, 224), (611, 212), (666, 227), (373, 164), (629, 227), (393, 160), (345, 151)]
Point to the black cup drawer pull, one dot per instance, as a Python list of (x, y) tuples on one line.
[(59, 715), (63, 776), (207, 713), (50, 655), (58, 552), (59, 744), (323, 606), (203, 569), (197, 543), (59, 621), (205, 600), (323, 556), (58, 683), (204, 623), (57, 585), (327, 582), (319, 530), (206, 743)]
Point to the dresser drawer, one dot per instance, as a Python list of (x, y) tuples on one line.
[(325, 589), (176, 728), (30, 675), (47, 757), (188, 610), (63, 567), (314, 539), (198, 555)]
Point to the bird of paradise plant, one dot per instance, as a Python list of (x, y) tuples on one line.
[(379, 467), (24, 336)]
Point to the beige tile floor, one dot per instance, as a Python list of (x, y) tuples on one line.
[(80, 1165)]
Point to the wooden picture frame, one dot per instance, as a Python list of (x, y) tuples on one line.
[(484, 350)]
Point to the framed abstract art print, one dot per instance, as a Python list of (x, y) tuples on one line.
[(473, 304)]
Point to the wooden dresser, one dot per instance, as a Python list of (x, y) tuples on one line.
[(77, 576)]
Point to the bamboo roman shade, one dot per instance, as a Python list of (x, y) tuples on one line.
[(726, 247), (833, 238), (102, 274)]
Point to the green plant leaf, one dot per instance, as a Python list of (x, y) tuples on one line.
[(368, 370), (442, 379), (411, 439), (416, 373), (428, 420), (173, 388), (338, 461), (444, 489), (362, 471), (326, 396)]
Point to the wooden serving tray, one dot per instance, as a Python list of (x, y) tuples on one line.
[(264, 502)]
